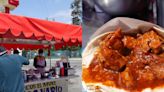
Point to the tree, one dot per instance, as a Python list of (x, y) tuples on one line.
[(76, 12)]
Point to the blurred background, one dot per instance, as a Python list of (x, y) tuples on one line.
[(98, 12)]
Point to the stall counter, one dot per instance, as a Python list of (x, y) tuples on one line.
[(49, 85)]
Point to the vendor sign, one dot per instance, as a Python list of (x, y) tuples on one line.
[(11, 4), (59, 85)]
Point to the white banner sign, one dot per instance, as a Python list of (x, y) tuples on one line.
[(47, 86)]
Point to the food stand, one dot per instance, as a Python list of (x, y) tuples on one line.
[(49, 85), (30, 33)]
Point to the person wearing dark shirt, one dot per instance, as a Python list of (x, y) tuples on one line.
[(40, 62)]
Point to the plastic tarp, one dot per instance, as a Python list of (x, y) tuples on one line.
[(14, 27)]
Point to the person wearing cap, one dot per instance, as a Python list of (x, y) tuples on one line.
[(40, 62), (11, 76)]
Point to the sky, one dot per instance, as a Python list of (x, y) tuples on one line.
[(58, 9)]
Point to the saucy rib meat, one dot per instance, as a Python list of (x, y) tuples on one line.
[(108, 52), (128, 62)]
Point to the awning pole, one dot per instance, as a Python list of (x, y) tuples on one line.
[(50, 62), (49, 54)]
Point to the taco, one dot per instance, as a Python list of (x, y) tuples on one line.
[(125, 61)]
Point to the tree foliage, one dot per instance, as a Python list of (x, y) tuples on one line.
[(76, 12)]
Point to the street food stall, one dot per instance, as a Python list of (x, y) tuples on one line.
[(30, 33)]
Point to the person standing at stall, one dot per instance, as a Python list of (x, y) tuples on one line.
[(66, 64), (40, 62), (11, 76)]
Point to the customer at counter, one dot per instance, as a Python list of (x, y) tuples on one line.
[(40, 62), (11, 77)]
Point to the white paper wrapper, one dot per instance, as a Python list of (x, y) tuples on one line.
[(128, 25)]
